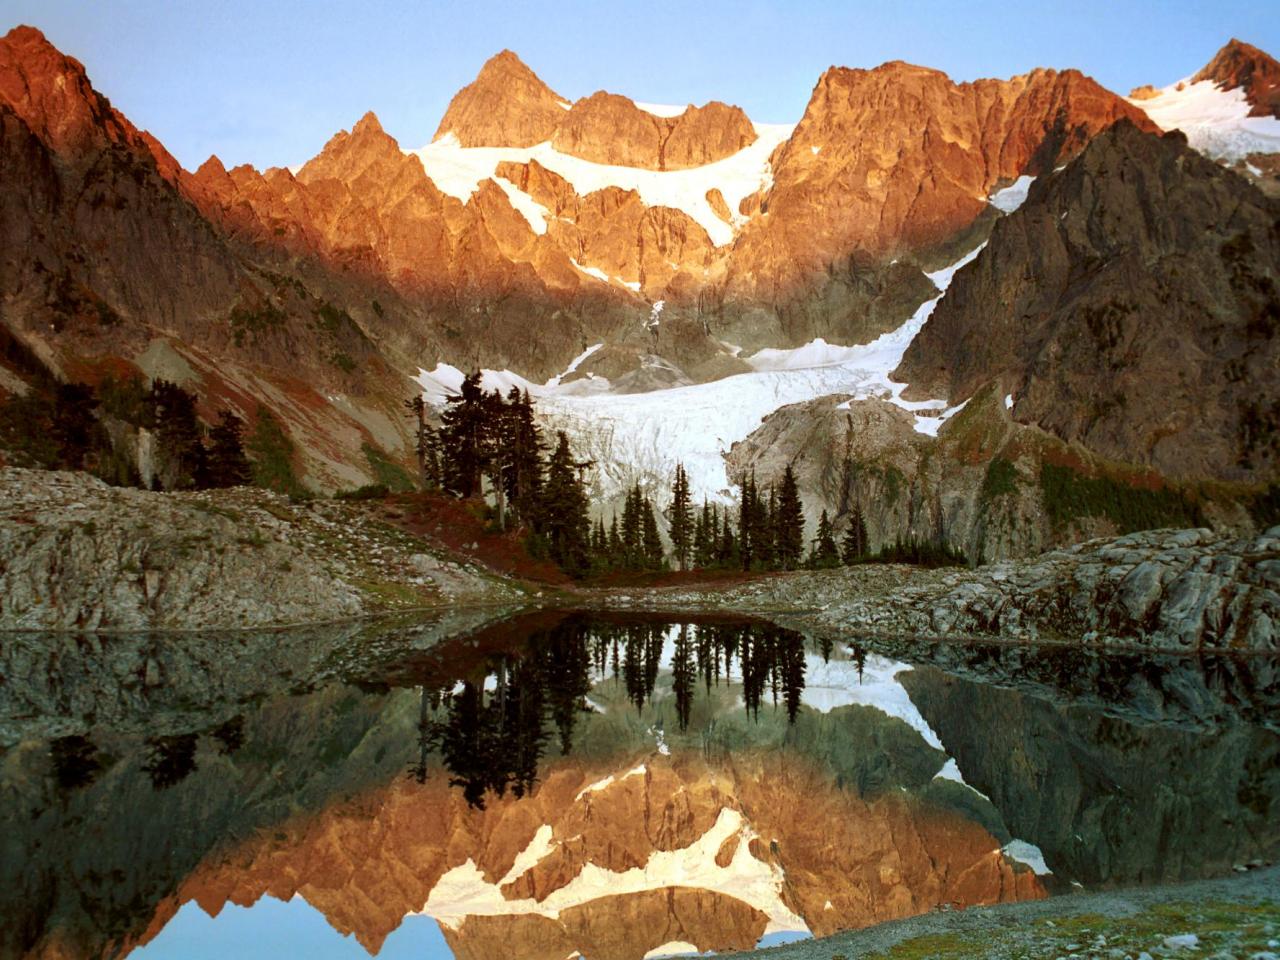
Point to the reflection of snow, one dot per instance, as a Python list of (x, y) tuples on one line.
[(463, 891), (837, 684), (609, 781)]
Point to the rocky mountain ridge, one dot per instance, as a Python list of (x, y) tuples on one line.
[(320, 293)]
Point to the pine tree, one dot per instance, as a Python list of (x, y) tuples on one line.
[(465, 437), (824, 555), (564, 510), (682, 522), (748, 509), (227, 465), (179, 436), (422, 444), (789, 523), (522, 447), (854, 548), (654, 556)]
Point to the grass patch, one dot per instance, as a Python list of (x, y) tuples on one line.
[(1240, 929), (1001, 479), (386, 471), (1069, 496)]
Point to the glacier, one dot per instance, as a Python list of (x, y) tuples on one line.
[(640, 437)]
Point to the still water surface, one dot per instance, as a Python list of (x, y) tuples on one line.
[(608, 786)]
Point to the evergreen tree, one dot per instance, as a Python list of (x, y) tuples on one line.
[(654, 556), (227, 465), (422, 444), (748, 524), (179, 437), (563, 510), (465, 437), (854, 547), (522, 447), (682, 523), (789, 523), (824, 555)]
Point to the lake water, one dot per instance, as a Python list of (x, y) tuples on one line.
[(607, 786)]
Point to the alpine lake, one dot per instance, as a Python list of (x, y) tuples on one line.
[(612, 786)]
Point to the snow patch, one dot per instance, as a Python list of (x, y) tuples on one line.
[(601, 785), (1028, 853), (929, 425), (642, 436), (1008, 401), (459, 170), (1216, 121), (534, 212), (1013, 196), (662, 109)]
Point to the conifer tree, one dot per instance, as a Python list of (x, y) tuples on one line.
[(654, 557), (179, 436), (564, 510), (523, 448), (824, 555), (227, 465), (682, 523), (854, 546), (789, 523), (465, 436), (422, 446)]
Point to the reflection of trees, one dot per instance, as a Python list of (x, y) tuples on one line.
[(230, 735), (491, 728), (75, 762), (170, 759)]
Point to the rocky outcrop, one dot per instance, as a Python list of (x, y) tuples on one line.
[(893, 161), (77, 554), (1164, 589), (1240, 65), (1131, 305), (505, 106), (608, 128)]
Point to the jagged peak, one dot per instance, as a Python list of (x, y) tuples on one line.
[(1234, 63), (507, 104), (368, 124), (1242, 65)]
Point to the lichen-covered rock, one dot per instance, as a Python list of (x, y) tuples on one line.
[(75, 553)]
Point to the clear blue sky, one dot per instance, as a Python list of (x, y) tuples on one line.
[(269, 82)]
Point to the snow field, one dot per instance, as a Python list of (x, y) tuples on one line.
[(458, 171), (1216, 121)]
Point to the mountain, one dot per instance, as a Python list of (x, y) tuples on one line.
[(1241, 66), (1149, 332), (603, 251), (1229, 110)]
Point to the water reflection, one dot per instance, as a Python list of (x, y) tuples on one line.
[(601, 784)]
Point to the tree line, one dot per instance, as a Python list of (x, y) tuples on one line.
[(78, 426)]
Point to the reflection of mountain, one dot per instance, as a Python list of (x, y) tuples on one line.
[(1110, 801), (636, 831)]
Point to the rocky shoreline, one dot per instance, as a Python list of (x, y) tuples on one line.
[(1164, 589), (76, 554)]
